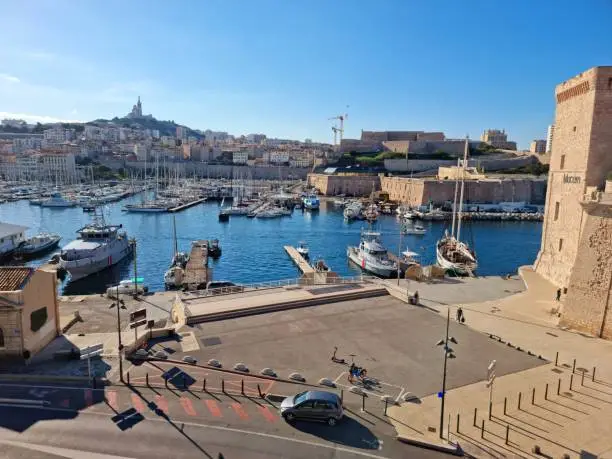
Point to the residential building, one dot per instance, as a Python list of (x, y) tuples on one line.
[(255, 138), (181, 132), (240, 157), (276, 157), (58, 135), (27, 143), (168, 140), (538, 146), (61, 166), (10, 237), (550, 133), (497, 139), (141, 151), (300, 162), (576, 252), (29, 314)]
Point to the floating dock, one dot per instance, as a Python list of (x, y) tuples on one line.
[(197, 273), (299, 260), (185, 206)]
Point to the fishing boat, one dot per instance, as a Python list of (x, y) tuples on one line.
[(451, 253), (37, 244), (98, 246), (372, 256), (352, 211), (311, 202), (302, 249)]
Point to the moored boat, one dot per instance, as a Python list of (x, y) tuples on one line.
[(372, 256), (37, 244)]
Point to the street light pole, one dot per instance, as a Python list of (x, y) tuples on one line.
[(444, 375), (399, 252), (120, 348)]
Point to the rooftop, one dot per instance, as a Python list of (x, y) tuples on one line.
[(14, 278), (8, 229)]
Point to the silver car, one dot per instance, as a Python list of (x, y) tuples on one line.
[(313, 405)]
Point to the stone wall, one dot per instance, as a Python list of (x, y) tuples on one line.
[(488, 164), (40, 292), (589, 297), (11, 329), (350, 185)]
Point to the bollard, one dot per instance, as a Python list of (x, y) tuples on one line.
[(147, 379), (557, 359), (363, 402), (546, 392), (507, 432), (519, 400), (533, 396), (490, 410), (204, 385), (457, 422), (582, 378), (574, 367), (571, 381), (128, 378), (505, 404), (593, 375), (482, 430), (341, 396), (387, 402), (223, 385), (475, 413), (559, 387), (242, 386)]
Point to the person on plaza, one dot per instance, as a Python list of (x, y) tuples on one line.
[(416, 297), (460, 315), (352, 370), (558, 294)]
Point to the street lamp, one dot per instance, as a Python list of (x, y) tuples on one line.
[(119, 304), (448, 353)]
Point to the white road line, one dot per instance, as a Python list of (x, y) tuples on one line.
[(224, 429), (62, 452), (400, 395), (340, 376)]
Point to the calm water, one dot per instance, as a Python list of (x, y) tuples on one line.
[(253, 248)]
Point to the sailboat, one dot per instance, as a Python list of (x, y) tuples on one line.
[(451, 253), (173, 277)]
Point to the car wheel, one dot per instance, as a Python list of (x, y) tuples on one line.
[(289, 417), (331, 421)]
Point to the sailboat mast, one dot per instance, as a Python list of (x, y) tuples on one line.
[(459, 213), (175, 241), (455, 201)]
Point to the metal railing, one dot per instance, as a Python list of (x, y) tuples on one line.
[(282, 283)]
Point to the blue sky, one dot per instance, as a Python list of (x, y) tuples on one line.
[(282, 67)]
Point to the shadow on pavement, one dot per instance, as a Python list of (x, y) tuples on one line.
[(348, 432)]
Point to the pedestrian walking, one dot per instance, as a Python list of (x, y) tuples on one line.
[(460, 315), (558, 294)]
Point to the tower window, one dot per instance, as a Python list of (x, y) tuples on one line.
[(560, 244), (562, 164), (556, 211)]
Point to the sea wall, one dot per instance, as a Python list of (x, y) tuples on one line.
[(488, 164)]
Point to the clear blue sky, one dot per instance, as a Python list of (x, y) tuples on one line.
[(282, 67)]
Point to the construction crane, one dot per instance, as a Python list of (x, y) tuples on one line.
[(336, 129), (339, 129)]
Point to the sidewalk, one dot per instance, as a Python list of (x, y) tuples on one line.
[(574, 422)]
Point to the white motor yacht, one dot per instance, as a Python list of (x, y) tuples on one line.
[(371, 255), (302, 249)]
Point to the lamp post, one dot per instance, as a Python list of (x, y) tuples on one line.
[(119, 304), (399, 251), (448, 352)]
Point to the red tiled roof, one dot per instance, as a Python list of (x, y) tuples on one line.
[(14, 278)]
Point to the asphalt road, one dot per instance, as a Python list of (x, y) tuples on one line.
[(120, 422)]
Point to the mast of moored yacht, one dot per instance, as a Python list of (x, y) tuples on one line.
[(459, 213)]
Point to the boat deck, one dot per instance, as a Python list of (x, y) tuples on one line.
[(299, 260)]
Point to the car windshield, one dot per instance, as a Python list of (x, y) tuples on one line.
[(299, 398)]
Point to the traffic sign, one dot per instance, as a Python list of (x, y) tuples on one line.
[(138, 324), (491, 372), (138, 315)]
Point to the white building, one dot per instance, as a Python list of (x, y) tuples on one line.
[(26, 143), (60, 166), (181, 132), (550, 133), (276, 157), (141, 151), (240, 157), (168, 141), (58, 135), (300, 162)]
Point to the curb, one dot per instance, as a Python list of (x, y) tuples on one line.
[(454, 450), (243, 312), (50, 378)]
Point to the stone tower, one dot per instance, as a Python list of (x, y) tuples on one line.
[(580, 160)]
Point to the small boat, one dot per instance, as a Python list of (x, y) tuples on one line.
[(320, 266), (416, 230), (302, 249), (37, 244), (311, 202), (339, 202), (214, 249), (173, 277), (371, 256), (127, 287), (224, 216), (57, 200)]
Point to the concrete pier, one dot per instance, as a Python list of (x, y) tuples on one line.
[(299, 260), (185, 206), (197, 273)]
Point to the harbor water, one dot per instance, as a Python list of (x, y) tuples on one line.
[(253, 248)]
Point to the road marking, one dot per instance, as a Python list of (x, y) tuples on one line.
[(267, 413), (213, 408), (61, 452), (212, 427), (161, 403), (240, 411), (397, 399), (188, 406), (88, 394), (111, 398), (340, 376), (138, 404)]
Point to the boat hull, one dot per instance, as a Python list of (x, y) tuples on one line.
[(366, 265), (31, 252), (461, 269), (83, 267)]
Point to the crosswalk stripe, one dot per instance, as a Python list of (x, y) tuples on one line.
[(137, 402), (240, 411), (270, 417), (188, 406), (213, 408), (161, 403), (88, 394), (111, 398)]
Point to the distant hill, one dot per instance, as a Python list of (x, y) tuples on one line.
[(146, 122)]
